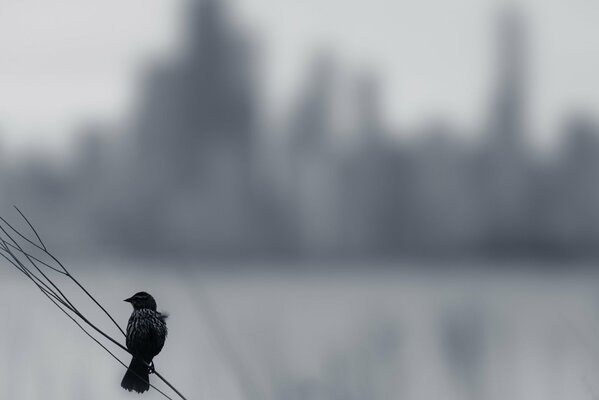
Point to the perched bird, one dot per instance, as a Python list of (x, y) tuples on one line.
[(146, 333)]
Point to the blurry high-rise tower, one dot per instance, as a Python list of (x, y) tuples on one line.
[(505, 174), (313, 182), (509, 108), (193, 138), (202, 98)]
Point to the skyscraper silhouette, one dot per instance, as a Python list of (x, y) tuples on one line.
[(509, 108), (505, 177)]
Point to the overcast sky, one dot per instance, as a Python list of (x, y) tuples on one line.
[(64, 61)]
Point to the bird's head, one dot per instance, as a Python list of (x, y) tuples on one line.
[(142, 300)]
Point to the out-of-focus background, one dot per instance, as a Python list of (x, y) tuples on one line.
[(333, 199)]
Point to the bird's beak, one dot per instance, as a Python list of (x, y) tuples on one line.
[(129, 300)]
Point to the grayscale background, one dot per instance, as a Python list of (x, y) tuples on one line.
[(333, 199)]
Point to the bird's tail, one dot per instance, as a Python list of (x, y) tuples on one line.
[(137, 377)]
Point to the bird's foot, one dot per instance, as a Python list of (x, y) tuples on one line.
[(151, 368)]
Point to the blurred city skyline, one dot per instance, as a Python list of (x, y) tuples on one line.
[(62, 67), (202, 169)]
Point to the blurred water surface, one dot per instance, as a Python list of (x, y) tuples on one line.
[(316, 335)]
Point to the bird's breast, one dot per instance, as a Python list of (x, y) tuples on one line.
[(146, 333)]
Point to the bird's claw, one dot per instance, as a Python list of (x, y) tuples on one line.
[(151, 369)]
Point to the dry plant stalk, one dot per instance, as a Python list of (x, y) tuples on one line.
[(18, 250)]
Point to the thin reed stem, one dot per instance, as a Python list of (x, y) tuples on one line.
[(13, 250)]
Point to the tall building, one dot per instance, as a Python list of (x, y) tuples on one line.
[(505, 175), (202, 99), (193, 139), (368, 108), (574, 217), (313, 168), (509, 108)]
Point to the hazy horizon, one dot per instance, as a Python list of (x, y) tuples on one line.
[(62, 67)]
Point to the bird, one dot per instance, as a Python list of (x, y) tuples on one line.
[(146, 334)]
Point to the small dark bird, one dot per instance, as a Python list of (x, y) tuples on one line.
[(146, 333)]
